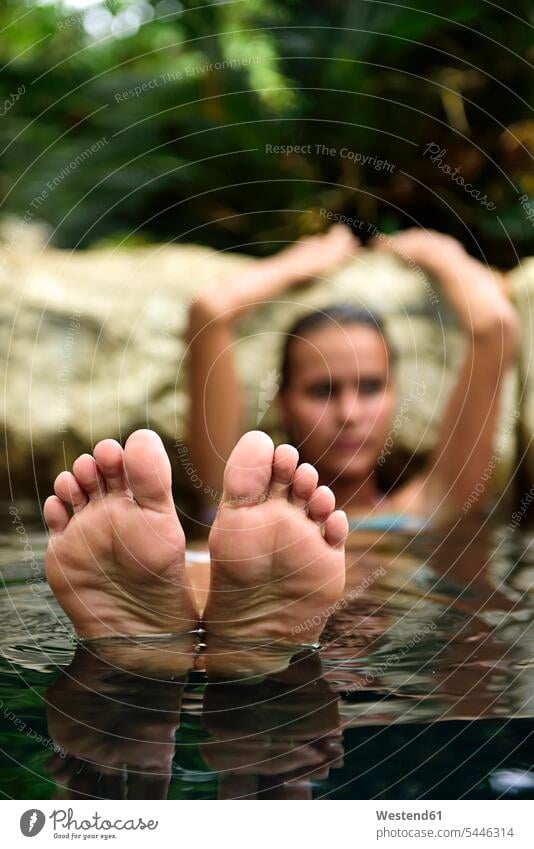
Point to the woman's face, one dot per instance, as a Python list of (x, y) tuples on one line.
[(340, 398)]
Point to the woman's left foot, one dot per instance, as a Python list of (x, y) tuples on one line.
[(277, 547)]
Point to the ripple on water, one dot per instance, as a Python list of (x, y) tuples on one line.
[(443, 633)]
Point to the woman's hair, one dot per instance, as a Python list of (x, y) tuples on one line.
[(338, 314)]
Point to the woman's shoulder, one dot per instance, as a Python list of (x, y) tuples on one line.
[(409, 498)]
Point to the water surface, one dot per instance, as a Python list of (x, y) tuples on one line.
[(424, 688)]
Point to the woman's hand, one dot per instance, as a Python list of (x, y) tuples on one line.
[(314, 255), (424, 247)]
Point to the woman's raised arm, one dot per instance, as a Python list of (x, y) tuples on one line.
[(465, 447), (216, 417)]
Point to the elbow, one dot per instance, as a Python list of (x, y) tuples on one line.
[(206, 309), (509, 328), (499, 333)]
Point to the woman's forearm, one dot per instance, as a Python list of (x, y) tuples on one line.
[(475, 295), (264, 279), (258, 283), (472, 289)]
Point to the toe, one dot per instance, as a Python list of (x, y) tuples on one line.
[(109, 458), (285, 462), (321, 504), (148, 471), (88, 476), (56, 514), (336, 529), (304, 484), (248, 472), (69, 490)]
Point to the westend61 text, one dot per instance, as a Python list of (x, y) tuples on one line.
[(408, 815)]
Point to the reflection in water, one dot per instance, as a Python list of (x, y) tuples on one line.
[(423, 689), (116, 730), (442, 632)]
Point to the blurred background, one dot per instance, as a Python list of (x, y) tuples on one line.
[(147, 83), (147, 145)]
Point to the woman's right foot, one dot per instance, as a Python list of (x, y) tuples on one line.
[(116, 565), (277, 548)]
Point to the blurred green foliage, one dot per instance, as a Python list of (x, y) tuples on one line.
[(185, 157)]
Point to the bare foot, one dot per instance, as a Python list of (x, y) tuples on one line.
[(117, 565), (277, 547)]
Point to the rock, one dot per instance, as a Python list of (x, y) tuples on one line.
[(93, 346)]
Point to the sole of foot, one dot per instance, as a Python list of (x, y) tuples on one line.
[(277, 548), (115, 559)]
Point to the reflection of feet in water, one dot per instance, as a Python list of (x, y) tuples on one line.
[(277, 547), (269, 740), (117, 565), (116, 729)]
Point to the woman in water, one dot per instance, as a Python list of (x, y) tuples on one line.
[(116, 556), (338, 395)]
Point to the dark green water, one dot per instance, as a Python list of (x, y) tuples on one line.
[(424, 689)]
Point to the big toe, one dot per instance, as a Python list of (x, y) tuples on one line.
[(249, 469), (148, 470)]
